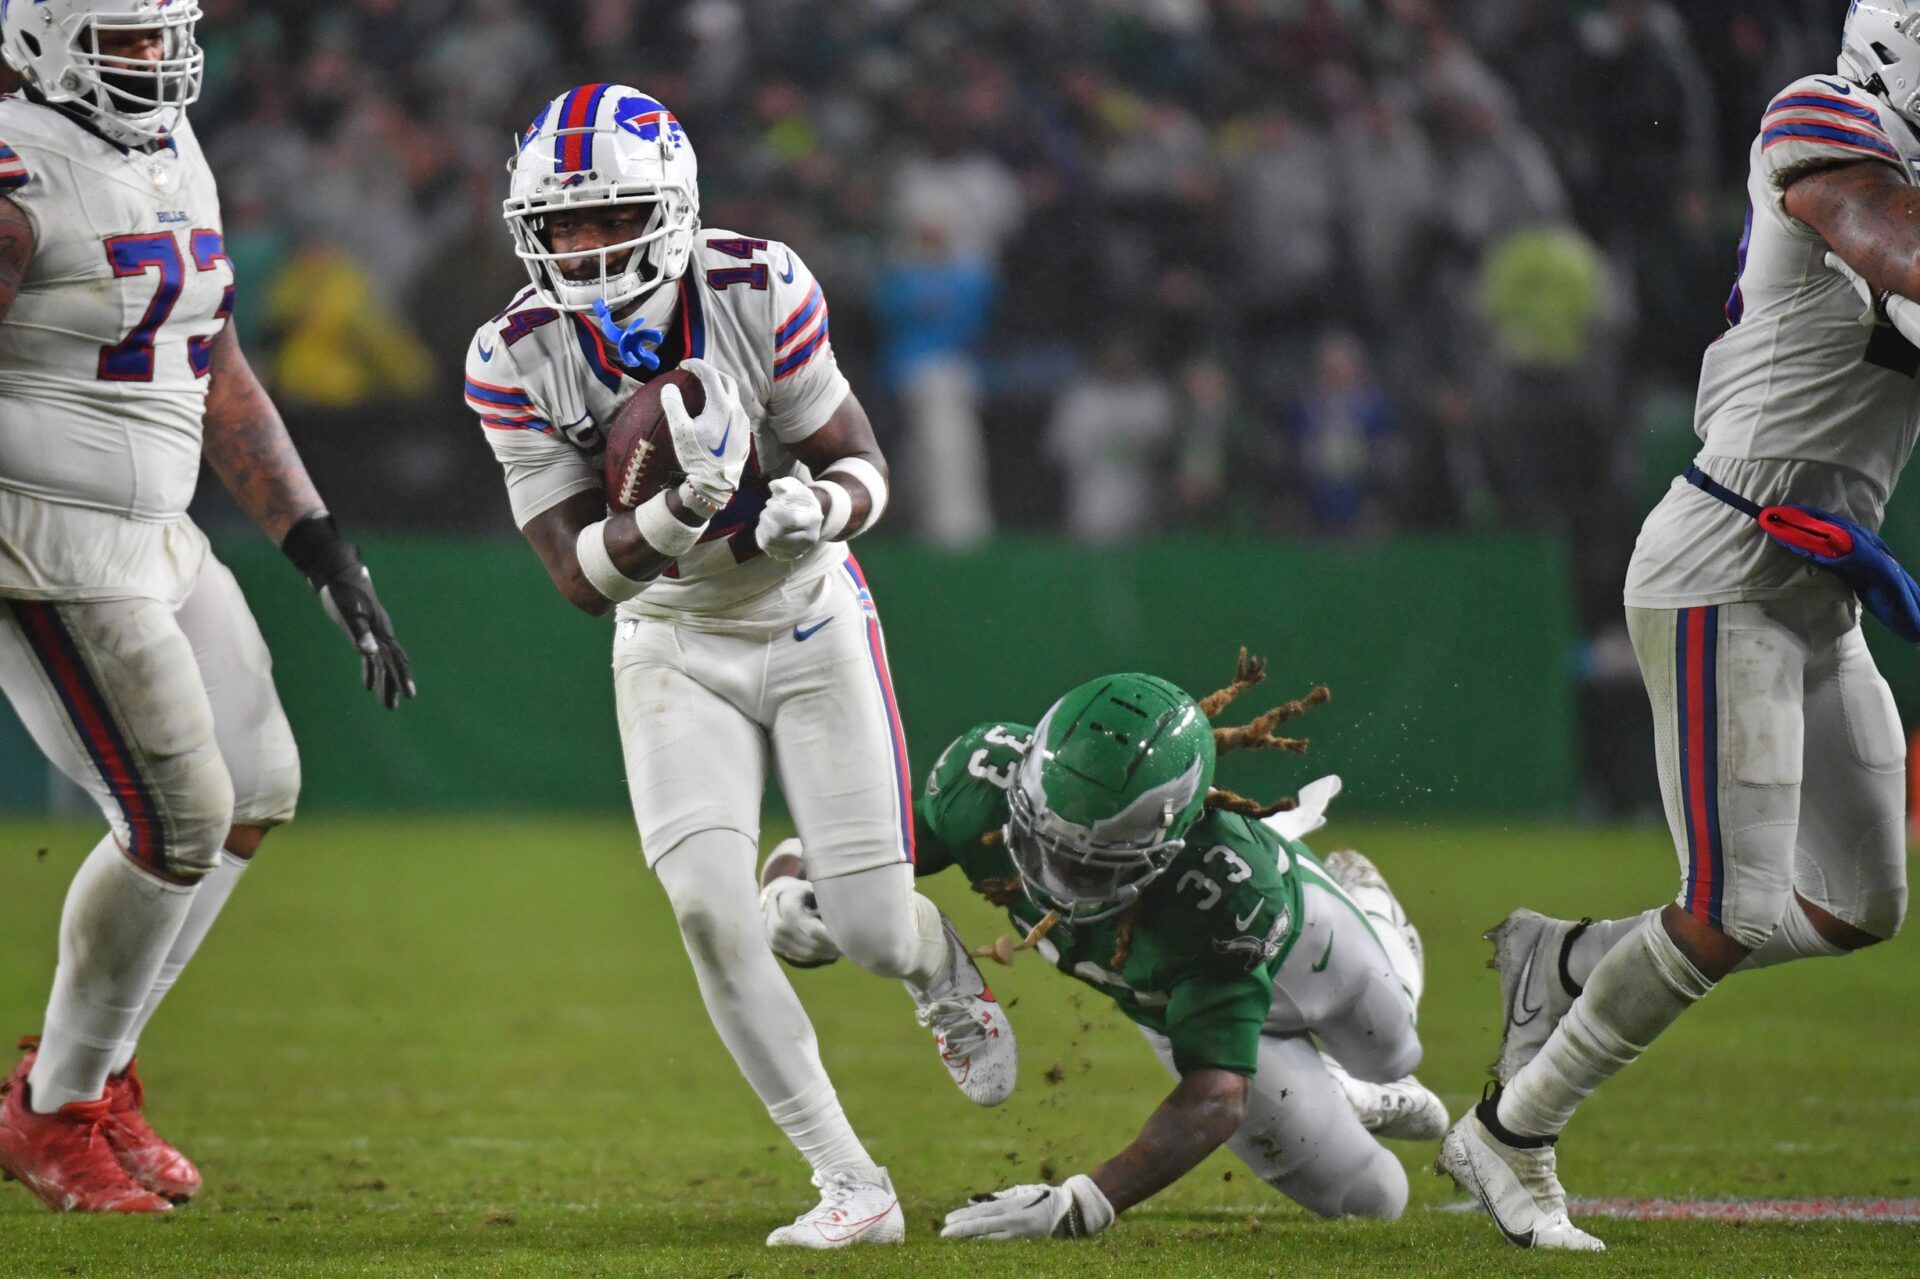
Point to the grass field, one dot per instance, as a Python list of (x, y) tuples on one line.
[(474, 1048)]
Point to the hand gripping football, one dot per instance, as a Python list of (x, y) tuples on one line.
[(640, 458)]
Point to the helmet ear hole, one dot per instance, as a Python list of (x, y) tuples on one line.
[(1887, 56), (31, 41)]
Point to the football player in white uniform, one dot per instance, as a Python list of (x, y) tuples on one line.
[(746, 633), (125, 646), (1781, 756)]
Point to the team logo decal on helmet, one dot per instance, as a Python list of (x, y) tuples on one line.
[(1118, 770), (1116, 774), (594, 147), (55, 45)]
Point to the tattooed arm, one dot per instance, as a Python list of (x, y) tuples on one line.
[(1868, 216), (1203, 1110), (16, 252), (247, 445)]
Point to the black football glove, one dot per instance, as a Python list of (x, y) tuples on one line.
[(332, 565)]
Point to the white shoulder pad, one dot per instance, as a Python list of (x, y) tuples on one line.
[(1823, 120), (807, 383), (495, 387), (1310, 812)]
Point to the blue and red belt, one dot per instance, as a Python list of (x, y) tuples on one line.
[(1851, 551)]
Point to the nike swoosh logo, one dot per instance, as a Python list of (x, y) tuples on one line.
[(486, 353), (810, 631), (1514, 1237), (1520, 993), (786, 277), (721, 447), (1242, 924), (1844, 90), (1325, 955)]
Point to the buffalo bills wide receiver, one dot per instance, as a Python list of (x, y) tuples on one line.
[(1781, 755), (125, 646), (745, 630)]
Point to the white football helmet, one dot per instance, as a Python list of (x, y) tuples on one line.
[(55, 46), (592, 147), (1880, 51)]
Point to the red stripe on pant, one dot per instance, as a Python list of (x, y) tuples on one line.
[(1695, 756), (87, 708), (877, 649)]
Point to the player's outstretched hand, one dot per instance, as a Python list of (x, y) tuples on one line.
[(384, 668), (711, 445), (1067, 1211), (333, 568), (790, 522)]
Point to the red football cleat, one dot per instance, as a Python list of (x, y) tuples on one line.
[(65, 1158), (147, 1156)]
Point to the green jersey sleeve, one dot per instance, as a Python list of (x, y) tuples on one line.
[(1213, 932), (965, 796), (1212, 1022)]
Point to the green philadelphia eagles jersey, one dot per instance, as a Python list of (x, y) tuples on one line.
[(1207, 935)]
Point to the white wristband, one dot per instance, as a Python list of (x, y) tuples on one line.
[(1905, 316), (664, 530), (833, 521), (1090, 1203), (590, 548), (699, 503), (858, 468)]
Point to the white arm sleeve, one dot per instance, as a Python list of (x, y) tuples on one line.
[(1905, 316)]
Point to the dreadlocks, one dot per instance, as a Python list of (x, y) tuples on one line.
[(1257, 734)]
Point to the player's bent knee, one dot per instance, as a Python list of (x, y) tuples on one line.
[(1883, 913), (1375, 1186), (271, 798), (1380, 1194), (199, 814), (884, 948)]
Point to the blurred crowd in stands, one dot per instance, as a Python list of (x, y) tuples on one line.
[(1332, 267)]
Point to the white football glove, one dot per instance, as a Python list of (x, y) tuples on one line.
[(794, 928), (1068, 1211), (790, 521), (712, 447)]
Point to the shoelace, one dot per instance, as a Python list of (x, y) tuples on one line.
[(952, 1020)]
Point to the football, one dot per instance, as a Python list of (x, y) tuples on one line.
[(640, 460)]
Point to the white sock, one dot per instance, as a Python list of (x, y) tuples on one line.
[(208, 899), (1639, 989), (710, 880), (883, 926), (1596, 939), (1795, 938), (115, 931)]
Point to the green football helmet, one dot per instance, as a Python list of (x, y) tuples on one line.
[(1117, 772)]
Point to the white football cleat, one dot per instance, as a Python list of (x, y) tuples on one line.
[(970, 1029), (1529, 953), (854, 1208), (1355, 871), (1516, 1185), (1404, 1110)]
